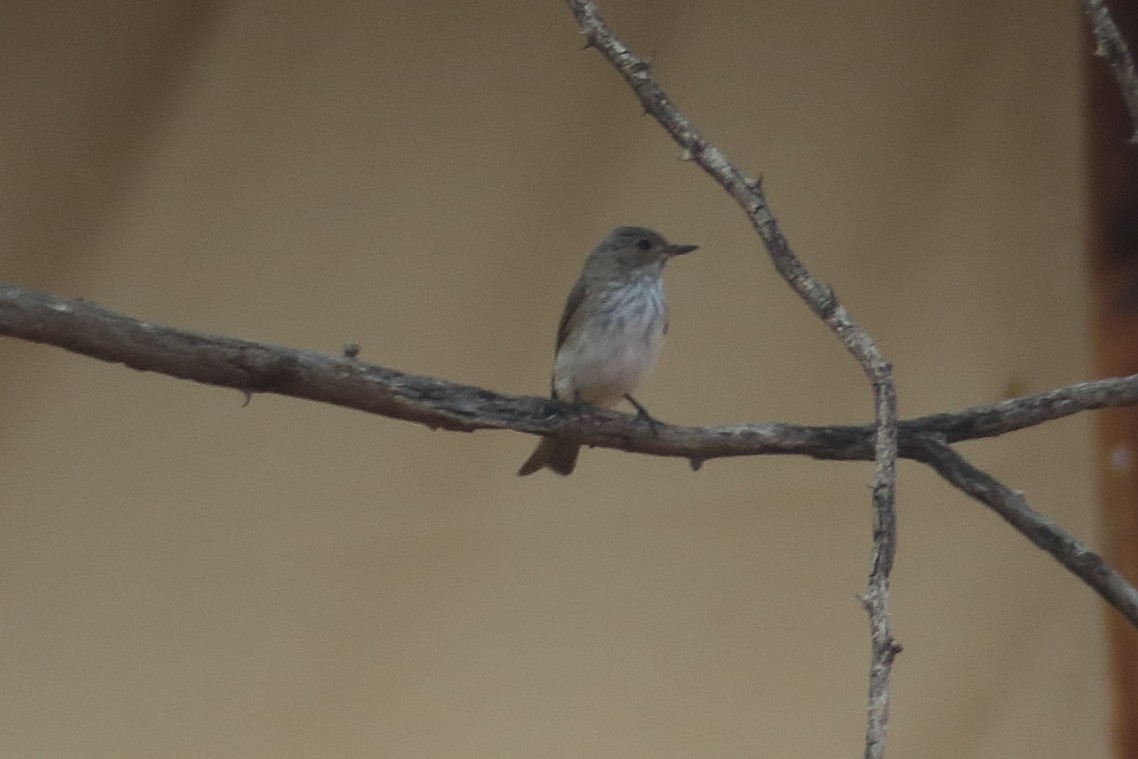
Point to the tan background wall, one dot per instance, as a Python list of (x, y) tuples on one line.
[(187, 577)]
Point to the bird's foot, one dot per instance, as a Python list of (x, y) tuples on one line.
[(642, 414)]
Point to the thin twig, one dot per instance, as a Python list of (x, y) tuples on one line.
[(748, 193), (1110, 45), (1013, 507), (993, 419)]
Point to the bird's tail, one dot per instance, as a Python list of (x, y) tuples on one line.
[(552, 453)]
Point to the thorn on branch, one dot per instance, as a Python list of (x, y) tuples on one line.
[(696, 464), (827, 301), (351, 350), (248, 398), (639, 69)]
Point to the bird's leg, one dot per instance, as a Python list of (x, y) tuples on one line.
[(576, 405), (642, 413)]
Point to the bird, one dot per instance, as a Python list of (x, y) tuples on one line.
[(610, 333)]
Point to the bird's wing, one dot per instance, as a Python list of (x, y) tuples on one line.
[(569, 320), (570, 316)]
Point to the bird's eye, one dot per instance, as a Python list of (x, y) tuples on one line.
[(644, 243)]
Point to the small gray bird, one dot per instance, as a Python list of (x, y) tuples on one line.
[(610, 333)]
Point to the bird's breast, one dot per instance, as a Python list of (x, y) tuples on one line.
[(613, 347)]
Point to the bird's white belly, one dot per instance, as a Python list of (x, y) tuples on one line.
[(600, 365)]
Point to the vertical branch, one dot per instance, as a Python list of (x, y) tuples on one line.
[(884, 647), (748, 193)]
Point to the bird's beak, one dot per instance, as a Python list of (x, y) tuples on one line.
[(679, 250)]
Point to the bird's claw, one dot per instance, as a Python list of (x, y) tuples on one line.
[(642, 414)]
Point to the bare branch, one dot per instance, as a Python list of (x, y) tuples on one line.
[(88, 329), (991, 420), (1111, 46), (1013, 508), (883, 646)]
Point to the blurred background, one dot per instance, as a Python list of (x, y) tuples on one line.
[(187, 577)]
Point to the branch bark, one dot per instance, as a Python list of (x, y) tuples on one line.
[(88, 329)]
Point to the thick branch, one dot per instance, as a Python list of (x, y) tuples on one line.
[(1110, 45), (251, 367), (91, 330)]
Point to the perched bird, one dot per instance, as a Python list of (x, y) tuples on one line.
[(610, 333)]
